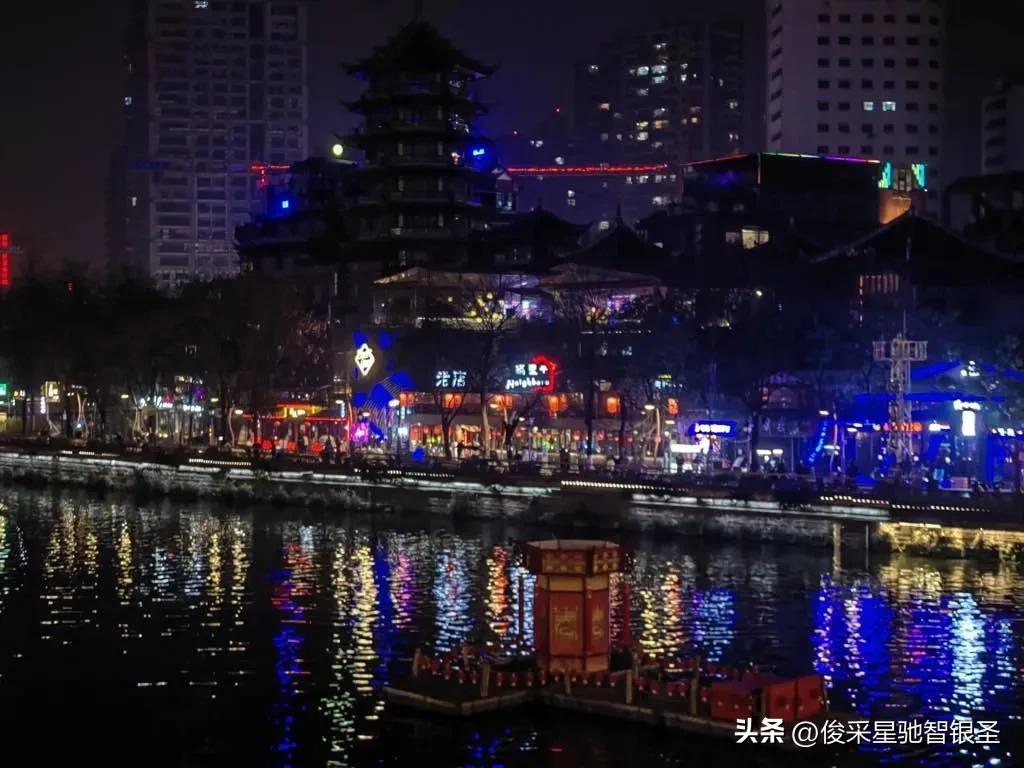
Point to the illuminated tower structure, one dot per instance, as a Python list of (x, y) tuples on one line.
[(426, 188), (900, 352)]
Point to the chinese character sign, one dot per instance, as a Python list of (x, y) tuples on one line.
[(538, 375), (446, 379)]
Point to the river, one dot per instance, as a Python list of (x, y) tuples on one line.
[(193, 634)]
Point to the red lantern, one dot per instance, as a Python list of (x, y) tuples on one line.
[(611, 404), (672, 407)]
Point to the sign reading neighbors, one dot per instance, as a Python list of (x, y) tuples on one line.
[(538, 375)]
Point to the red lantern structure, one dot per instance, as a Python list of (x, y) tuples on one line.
[(570, 602), (611, 404)]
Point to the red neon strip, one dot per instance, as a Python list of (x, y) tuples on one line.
[(5, 269), (585, 170)]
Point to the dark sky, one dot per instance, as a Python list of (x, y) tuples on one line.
[(60, 86)]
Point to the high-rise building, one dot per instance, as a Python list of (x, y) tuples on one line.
[(857, 78), (667, 95), (1002, 129), (215, 88)]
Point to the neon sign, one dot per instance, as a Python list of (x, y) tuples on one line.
[(538, 375), (449, 379), (715, 428), (365, 359)]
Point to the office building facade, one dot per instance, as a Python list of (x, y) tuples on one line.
[(668, 95), (861, 78), (1002, 129), (216, 93)]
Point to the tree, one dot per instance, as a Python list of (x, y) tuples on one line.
[(759, 340)]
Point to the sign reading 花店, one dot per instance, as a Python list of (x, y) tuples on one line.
[(447, 379)]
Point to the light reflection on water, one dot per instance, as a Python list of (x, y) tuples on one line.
[(269, 634)]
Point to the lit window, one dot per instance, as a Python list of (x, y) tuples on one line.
[(642, 136), (127, 101), (604, 106), (643, 71), (658, 79), (559, 160), (570, 193), (869, 106), (660, 112), (642, 91), (659, 69), (603, 225), (641, 124), (888, 106), (660, 124), (201, 5), (734, 104), (753, 237), (659, 200), (604, 137), (134, 201), (593, 68)]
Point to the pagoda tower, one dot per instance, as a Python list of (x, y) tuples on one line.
[(426, 188)]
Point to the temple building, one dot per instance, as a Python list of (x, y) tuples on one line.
[(427, 187)]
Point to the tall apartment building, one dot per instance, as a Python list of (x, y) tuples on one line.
[(673, 94), (1002, 129), (858, 78), (214, 90)]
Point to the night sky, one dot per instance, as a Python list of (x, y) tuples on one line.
[(60, 85)]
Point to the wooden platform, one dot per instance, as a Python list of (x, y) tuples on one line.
[(465, 701), (458, 707)]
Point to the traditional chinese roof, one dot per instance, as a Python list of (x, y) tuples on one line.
[(924, 252), (418, 47), (546, 233), (423, 277), (572, 275), (622, 250)]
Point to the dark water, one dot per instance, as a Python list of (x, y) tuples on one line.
[(197, 635)]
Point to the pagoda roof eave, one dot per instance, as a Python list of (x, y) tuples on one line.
[(359, 105), (418, 47)]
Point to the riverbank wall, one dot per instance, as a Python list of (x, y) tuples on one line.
[(840, 522)]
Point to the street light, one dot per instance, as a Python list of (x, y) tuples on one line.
[(125, 396), (648, 407), (393, 402), (338, 150)]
